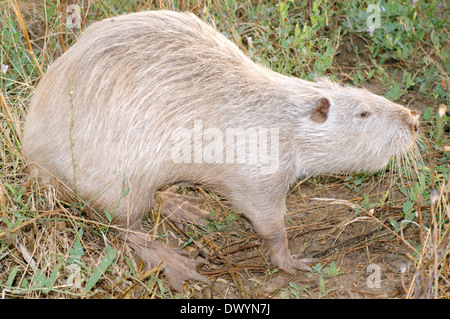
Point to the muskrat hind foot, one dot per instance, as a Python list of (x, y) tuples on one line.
[(179, 208), (176, 267)]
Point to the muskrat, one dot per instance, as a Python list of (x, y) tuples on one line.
[(150, 99)]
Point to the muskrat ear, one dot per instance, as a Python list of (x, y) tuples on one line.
[(320, 112)]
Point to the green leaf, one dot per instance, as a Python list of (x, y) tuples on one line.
[(76, 252), (108, 216), (427, 114), (188, 242), (11, 277), (395, 225), (101, 269), (38, 279), (407, 207), (49, 282)]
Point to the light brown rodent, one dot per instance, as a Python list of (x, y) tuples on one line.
[(109, 121)]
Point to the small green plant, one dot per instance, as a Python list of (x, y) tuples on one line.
[(325, 273), (328, 272), (295, 290), (270, 271), (98, 272), (359, 180)]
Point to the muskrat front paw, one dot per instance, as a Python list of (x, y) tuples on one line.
[(178, 208), (289, 263), (303, 263)]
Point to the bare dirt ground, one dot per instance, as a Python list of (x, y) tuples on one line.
[(367, 256)]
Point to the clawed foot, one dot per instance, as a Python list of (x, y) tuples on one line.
[(176, 267), (178, 208), (302, 263), (281, 257), (294, 263), (284, 260)]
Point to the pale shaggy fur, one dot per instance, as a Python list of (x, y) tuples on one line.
[(101, 121)]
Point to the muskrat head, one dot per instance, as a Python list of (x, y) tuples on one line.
[(356, 130)]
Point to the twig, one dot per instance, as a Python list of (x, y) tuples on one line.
[(434, 196), (32, 220), (25, 33), (298, 184), (9, 119), (369, 216), (158, 216), (444, 74), (357, 238)]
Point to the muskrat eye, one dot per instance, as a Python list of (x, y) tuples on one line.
[(364, 114)]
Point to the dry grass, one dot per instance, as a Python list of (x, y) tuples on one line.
[(52, 249)]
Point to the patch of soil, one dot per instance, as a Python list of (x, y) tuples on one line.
[(368, 258)]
